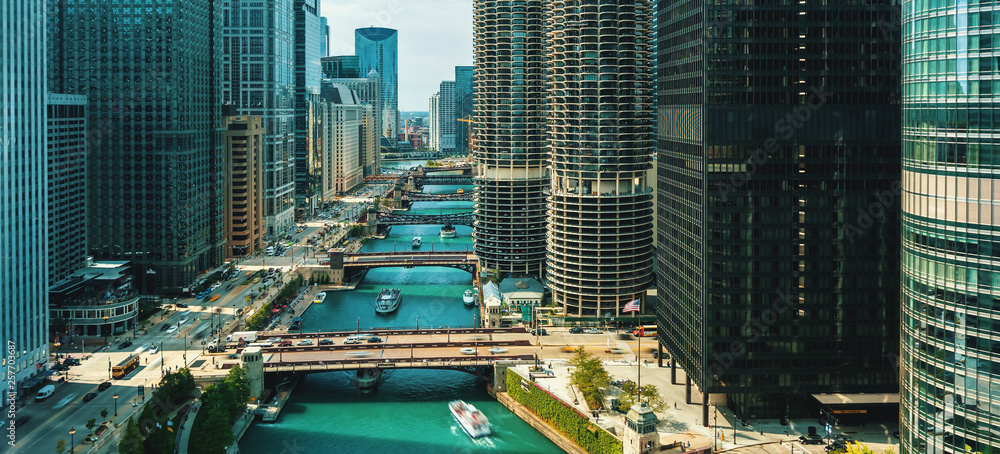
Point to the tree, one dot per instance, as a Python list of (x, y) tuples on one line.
[(650, 395), (91, 423), (60, 446), (104, 414), (238, 383), (590, 376), (213, 434), (132, 440)]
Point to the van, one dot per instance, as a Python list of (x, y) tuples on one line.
[(45, 392)]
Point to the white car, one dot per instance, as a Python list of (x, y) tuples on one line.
[(304, 342), (153, 348), (361, 354), (592, 331), (173, 329), (468, 351), (498, 350)]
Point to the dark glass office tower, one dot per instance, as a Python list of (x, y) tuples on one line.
[(778, 199), (308, 74), (511, 177), (150, 74), (950, 344), (341, 67), (463, 107), (378, 48)]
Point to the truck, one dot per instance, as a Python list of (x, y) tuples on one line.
[(248, 336)]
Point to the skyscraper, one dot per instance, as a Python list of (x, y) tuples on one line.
[(341, 67), (434, 110), (308, 74), (368, 91), (67, 185), (778, 228), (378, 49), (600, 226), (24, 314), (156, 173), (324, 38), (510, 145), (260, 82), (342, 119), (463, 107), (443, 118), (949, 349), (244, 144)]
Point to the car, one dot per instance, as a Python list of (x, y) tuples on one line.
[(326, 342), (274, 339), (304, 342), (575, 330), (182, 305), (811, 440), (497, 350), (285, 343), (656, 354), (172, 329), (59, 367), (842, 438), (374, 340), (124, 345), (104, 386), (352, 340), (71, 362), (89, 397), (164, 327), (836, 447), (592, 331), (539, 332), (615, 350), (359, 354), (182, 321), (468, 351)]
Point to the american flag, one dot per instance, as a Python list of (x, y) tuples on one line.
[(631, 307)]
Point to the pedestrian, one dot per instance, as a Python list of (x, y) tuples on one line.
[(675, 404)]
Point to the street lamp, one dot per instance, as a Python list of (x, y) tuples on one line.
[(115, 397), (72, 432), (107, 330)]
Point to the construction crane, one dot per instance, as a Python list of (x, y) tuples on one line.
[(469, 121)]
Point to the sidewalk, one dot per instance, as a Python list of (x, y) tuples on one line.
[(184, 431)]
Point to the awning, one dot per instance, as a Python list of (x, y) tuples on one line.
[(275, 311), (31, 383)]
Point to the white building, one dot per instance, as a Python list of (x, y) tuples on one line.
[(434, 138), (368, 91), (521, 291), (342, 140), (442, 110)]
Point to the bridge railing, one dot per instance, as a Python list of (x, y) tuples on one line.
[(396, 330), (404, 363)]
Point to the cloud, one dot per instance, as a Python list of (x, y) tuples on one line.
[(434, 37)]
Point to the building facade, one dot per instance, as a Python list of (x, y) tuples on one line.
[(600, 223), (434, 108), (96, 300), (24, 315), (510, 153), (368, 91), (244, 144), (445, 117), (308, 74), (778, 230), (378, 48), (343, 139), (463, 108), (950, 352), (67, 184), (157, 183), (259, 81), (341, 67), (324, 38)]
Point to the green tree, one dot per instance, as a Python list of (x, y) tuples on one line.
[(590, 376), (239, 384), (213, 433), (356, 230), (132, 441), (60, 446), (104, 414), (650, 395), (91, 424)]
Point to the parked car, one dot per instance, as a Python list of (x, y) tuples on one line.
[(104, 386), (304, 342), (89, 397), (326, 342), (374, 339)]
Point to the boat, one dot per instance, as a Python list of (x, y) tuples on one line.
[(416, 242), (448, 231), (320, 298), (472, 420), (388, 301), (469, 298), (366, 380)]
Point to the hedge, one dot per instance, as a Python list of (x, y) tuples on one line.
[(567, 420)]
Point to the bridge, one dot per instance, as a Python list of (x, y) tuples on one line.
[(462, 260), (472, 350), (392, 218), (442, 179), (450, 197), (450, 168)]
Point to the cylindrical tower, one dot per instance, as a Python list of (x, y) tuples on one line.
[(600, 243), (511, 175)]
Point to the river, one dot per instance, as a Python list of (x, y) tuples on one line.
[(409, 412)]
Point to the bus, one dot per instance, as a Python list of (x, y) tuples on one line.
[(645, 331), (123, 368)]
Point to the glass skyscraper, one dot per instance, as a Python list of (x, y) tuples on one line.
[(308, 74), (67, 185), (463, 107), (259, 81), (24, 314), (950, 349), (778, 200), (599, 124), (511, 176), (378, 49), (342, 67), (152, 80)]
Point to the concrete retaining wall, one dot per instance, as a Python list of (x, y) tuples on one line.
[(538, 424)]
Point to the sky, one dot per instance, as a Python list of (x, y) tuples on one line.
[(434, 36)]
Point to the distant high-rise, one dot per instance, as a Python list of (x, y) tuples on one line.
[(157, 185), (510, 151), (950, 349), (463, 107), (378, 49), (443, 118), (368, 91), (308, 76), (244, 144), (324, 38), (342, 121), (341, 67), (67, 185), (24, 316), (778, 249), (260, 82), (600, 229)]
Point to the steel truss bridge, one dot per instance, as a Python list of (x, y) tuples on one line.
[(392, 218)]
